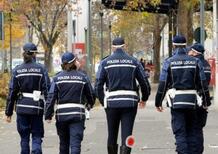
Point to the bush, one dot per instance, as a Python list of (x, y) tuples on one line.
[(2, 103), (4, 81)]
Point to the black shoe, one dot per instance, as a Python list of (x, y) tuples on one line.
[(112, 149), (125, 150)]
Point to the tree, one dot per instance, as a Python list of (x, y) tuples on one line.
[(185, 19), (17, 33), (48, 18), (137, 28), (159, 24), (186, 10)]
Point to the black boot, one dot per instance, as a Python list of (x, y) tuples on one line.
[(112, 149), (125, 150)]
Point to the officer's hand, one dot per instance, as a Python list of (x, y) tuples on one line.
[(142, 104), (8, 119), (159, 109), (48, 121), (205, 107), (88, 107)]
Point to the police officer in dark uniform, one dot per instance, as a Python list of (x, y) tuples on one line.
[(181, 75), (197, 50), (68, 89), (28, 90), (119, 72)]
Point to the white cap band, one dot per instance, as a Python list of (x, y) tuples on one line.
[(196, 51), (118, 46), (72, 60), (179, 44)]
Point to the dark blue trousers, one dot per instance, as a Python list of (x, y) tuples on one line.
[(184, 127), (30, 124), (115, 116), (70, 136), (201, 122)]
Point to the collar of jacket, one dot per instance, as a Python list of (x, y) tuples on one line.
[(180, 51), (200, 56), (119, 50)]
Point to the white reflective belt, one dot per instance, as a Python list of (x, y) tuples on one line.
[(105, 98), (182, 103), (70, 105), (29, 106), (122, 99), (172, 92), (108, 94), (69, 113), (121, 92), (31, 95), (185, 92)]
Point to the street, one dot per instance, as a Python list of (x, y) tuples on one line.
[(152, 133)]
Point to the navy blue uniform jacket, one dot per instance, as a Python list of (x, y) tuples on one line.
[(26, 78), (117, 81), (68, 90), (182, 72)]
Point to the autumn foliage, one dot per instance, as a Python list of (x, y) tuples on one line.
[(17, 24)]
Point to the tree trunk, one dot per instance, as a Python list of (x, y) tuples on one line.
[(4, 60), (49, 59), (48, 56), (157, 42), (185, 20)]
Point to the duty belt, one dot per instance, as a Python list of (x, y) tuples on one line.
[(117, 93), (171, 93), (70, 105), (36, 95)]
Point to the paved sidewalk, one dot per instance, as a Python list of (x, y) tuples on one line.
[(152, 132)]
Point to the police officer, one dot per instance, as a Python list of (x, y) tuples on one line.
[(119, 72), (68, 89), (180, 76), (28, 90), (197, 50)]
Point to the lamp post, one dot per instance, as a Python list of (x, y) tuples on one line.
[(110, 36), (202, 22), (10, 30), (101, 18), (217, 29), (170, 32), (69, 30), (216, 54), (89, 41)]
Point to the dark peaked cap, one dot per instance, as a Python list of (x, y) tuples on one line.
[(179, 40), (118, 42)]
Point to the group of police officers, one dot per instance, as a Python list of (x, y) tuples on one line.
[(121, 86)]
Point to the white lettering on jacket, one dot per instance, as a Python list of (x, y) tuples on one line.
[(30, 70), (70, 77), (123, 61)]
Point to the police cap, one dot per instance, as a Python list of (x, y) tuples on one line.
[(118, 42), (179, 40), (30, 47), (68, 57), (197, 47)]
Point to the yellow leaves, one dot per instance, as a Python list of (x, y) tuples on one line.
[(17, 21), (17, 33), (4, 80), (131, 4), (128, 21), (155, 2)]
